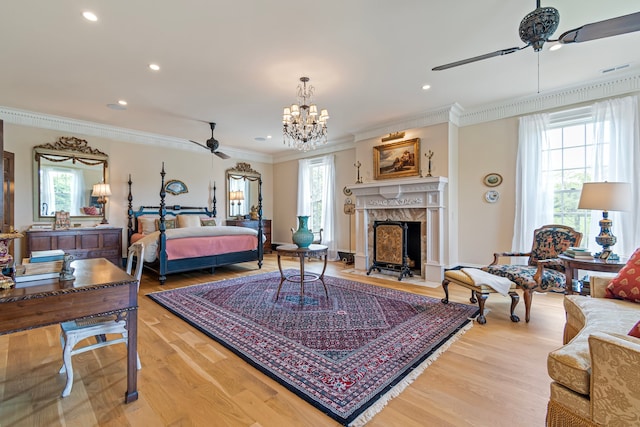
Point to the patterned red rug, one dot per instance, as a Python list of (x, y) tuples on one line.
[(347, 354)]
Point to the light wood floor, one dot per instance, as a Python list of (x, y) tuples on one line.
[(495, 375)]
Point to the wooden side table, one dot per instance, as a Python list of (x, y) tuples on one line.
[(301, 276), (572, 265)]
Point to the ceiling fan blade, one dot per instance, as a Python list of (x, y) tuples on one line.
[(221, 155), (478, 58), (601, 29), (201, 145)]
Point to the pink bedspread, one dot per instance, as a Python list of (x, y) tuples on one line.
[(194, 247)]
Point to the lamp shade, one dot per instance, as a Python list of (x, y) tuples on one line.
[(605, 196), (101, 190)]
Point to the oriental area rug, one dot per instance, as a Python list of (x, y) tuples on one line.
[(347, 354)]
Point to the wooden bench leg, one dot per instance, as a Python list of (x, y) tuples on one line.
[(445, 286), (481, 299), (514, 302)]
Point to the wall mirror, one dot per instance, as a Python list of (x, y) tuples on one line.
[(242, 186), (64, 173)]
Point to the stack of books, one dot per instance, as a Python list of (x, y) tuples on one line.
[(46, 256), (578, 253), (28, 271)]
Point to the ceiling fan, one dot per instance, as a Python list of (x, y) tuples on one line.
[(536, 28), (212, 144)]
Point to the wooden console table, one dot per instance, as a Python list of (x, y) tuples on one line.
[(99, 288), (572, 265)]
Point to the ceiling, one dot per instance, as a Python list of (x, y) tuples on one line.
[(237, 63)]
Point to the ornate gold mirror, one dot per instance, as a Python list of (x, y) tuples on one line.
[(241, 190), (64, 173)]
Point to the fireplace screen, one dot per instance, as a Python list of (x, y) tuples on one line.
[(390, 248)]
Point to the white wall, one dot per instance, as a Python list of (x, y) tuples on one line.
[(197, 169)]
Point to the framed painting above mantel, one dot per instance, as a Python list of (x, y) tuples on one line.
[(398, 159)]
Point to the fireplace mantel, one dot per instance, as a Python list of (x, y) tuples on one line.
[(408, 199)]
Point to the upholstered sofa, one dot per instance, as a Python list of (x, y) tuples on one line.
[(596, 373)]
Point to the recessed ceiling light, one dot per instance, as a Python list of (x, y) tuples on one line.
[(89, 16), (154, 67), (555, 46), (116, 107), (268, 136), (122, 102), (426, 87)]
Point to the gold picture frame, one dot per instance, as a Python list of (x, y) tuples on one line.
[(398, 159)]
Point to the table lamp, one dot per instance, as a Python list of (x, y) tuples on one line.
[(605, 196), (101, 191)]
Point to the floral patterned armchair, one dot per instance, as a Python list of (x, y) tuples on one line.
[(544, 271)]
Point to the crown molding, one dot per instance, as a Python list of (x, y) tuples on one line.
[(74, 126), (555, 99)]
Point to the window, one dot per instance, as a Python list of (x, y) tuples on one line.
[(558, 152), (316, 182), (570, 150)]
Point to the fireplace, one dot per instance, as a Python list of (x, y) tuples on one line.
[(417, 201), (396, 247)]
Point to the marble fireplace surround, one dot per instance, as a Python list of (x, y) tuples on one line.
[(408, 199)]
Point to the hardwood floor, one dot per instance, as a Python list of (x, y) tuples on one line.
[(494, 375)]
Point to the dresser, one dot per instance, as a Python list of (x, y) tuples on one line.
[(82, 243), (253, 223)]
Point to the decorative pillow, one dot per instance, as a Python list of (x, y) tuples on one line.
[(188, 221), (626, 285), (168, 224), (91, 210), (146, 225), (207, 222), (635, 331)]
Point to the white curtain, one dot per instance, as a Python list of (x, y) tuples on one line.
[(534, 192), (617, 159), (327, 164), (47, 191)]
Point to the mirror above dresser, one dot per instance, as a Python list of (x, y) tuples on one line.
[(64, 173)]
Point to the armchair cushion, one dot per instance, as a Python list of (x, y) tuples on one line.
[(626, 285)]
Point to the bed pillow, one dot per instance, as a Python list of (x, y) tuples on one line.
[(146, 225), (91, 210), (207, 222), (188, 221), (626, 285), (168, 224), (635, 331)]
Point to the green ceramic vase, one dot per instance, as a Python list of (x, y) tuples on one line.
[(303, 237)]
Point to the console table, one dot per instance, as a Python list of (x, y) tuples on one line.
[(99, 288), (572, 265), (82, 243)]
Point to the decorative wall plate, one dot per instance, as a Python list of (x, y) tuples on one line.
[(347, 191), (492, 180), (491, 196), (175, 187)]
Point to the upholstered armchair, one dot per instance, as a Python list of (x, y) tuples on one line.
[(543, 271)]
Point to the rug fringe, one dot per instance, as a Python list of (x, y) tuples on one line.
[(367, 415)]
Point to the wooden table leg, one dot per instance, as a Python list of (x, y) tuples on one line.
[(568, 277), (282, 278), (324, 268), (131, 394), (301, 255)]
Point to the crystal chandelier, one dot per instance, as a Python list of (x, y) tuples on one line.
[(302, 128)]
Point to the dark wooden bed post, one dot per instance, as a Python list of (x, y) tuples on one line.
[(214, 212), (260, 242), (129, 214), (161, 227)]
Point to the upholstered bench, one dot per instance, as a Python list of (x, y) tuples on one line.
[(479, 292)]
